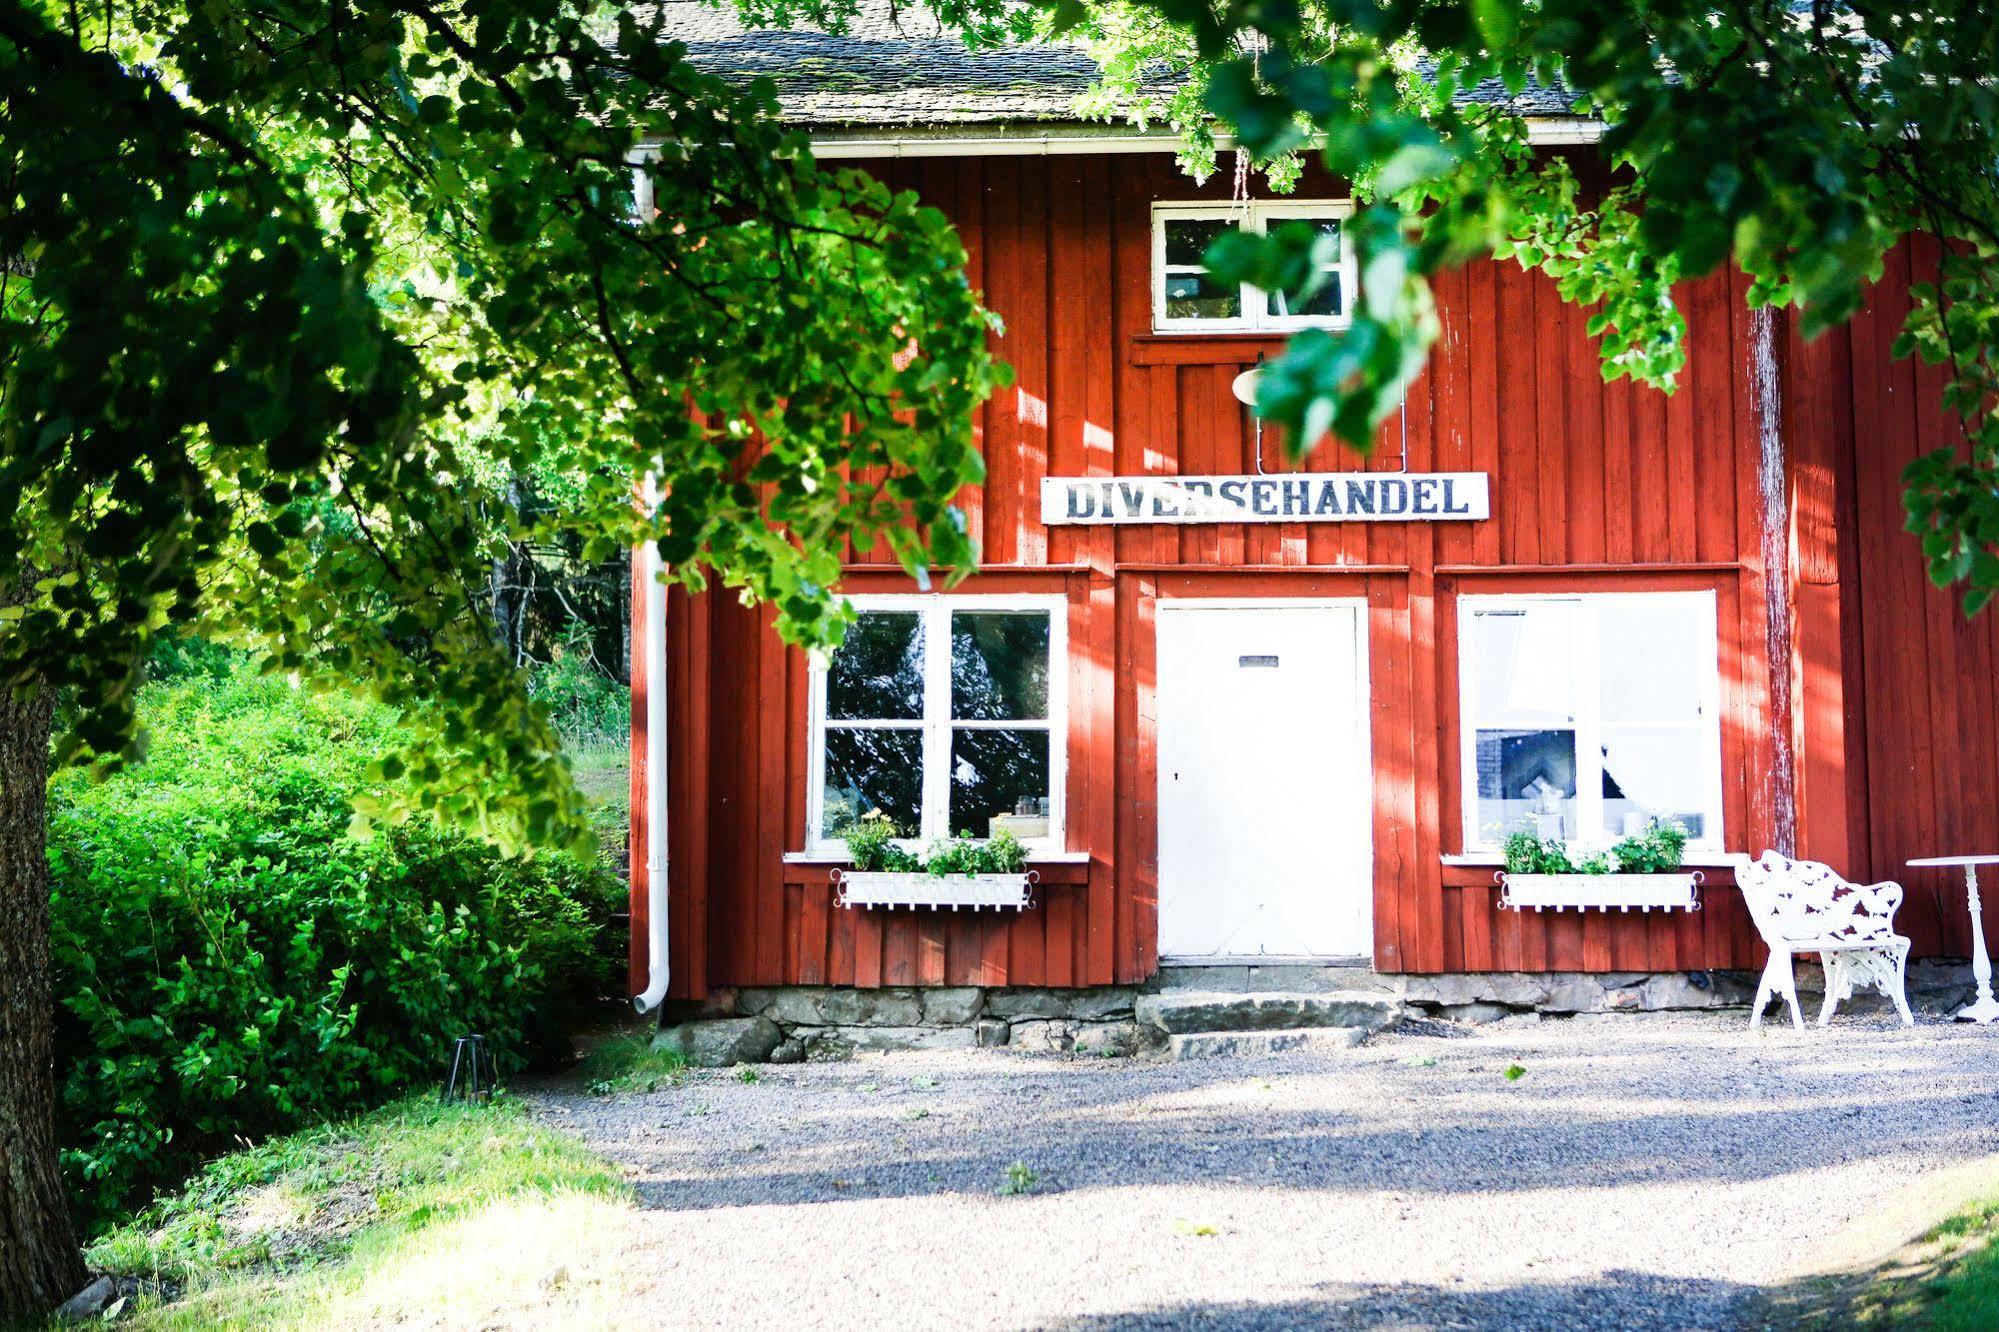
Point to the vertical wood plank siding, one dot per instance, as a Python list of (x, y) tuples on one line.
[(1595, 487)]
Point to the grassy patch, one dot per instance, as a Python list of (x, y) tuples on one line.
[(416, 1210), (601, 764), (628, 1063), (1948, 1282)]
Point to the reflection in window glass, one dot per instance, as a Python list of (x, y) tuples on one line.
[(999, 778), (877, 675), (1654, 657), (869, 768), (999, 665), (1328, 298), (1525, 664), (1653, 772), (1188, 238), (1526, 780), (1200, 295)]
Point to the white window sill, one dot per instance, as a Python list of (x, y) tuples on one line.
[(1692, 860), (830, 857)]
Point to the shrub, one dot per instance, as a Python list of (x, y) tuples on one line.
[(230, 962)]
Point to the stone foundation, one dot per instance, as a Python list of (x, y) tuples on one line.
[(828, 1022), (795, 1023), (1935, 987)]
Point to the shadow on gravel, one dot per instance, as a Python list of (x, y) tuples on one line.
[(1442, 1130), (1621, 1300)]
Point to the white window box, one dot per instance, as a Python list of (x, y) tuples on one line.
[(1601, 892), (1000, 892)]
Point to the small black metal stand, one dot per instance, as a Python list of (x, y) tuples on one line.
[(471, 1078)]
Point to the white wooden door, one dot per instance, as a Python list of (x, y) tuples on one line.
[(1265, 787)]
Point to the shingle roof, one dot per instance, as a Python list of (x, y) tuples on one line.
[(909, 71)]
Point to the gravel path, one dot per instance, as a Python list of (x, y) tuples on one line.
[(1641, 1172)]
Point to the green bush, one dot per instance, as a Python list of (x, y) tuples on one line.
[(230, 962), (584, 702)]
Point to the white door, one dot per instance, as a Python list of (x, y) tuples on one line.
[(1265, 790)]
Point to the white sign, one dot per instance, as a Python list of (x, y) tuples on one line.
[(1295, 497)]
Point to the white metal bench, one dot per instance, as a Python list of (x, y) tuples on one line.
[(1801, 906)]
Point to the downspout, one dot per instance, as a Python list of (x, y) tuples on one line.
[(653, 645)]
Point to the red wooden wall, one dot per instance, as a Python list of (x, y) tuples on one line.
[(1594, 487)]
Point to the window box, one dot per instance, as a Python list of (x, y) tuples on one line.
[(999, 892), (1600, 892)]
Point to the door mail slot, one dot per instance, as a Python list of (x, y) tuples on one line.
[(1257, 660)]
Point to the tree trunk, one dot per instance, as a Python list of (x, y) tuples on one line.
[(40, 1265)]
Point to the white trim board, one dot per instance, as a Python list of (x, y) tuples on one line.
[(1041, 141)]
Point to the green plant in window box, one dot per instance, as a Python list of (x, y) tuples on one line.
[(1657, 850), (872, 845), (1001, 853)]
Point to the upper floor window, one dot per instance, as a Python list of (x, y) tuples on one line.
[(1187, 298), (947, 715), (1586, 717)]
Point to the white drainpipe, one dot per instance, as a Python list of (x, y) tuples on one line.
[(654, 647)]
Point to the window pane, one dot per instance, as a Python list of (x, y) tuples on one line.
[(1526, 779), (1654, 772), (1522, 662), (1201, 296), (999, 775), (999, 665), (1188, 238), (868, 769), (1323, 302), (877, 675), (1657, 654)]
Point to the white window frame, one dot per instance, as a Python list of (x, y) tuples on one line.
[(1255, 218), (1588, 718), (937, 723)]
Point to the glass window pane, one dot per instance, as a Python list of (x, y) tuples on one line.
[(1658, 654), (1654, 772), (1196, 295), (999, 665), (869, 769), (877, 675), (1324, 302), (1188, 238), (1526, 780), (1522, 664), (999, 779)]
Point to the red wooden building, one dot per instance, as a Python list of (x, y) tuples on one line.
[(1300, 735)]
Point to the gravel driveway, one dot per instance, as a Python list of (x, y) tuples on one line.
[(1640, 1172)]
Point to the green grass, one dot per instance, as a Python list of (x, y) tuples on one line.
[(602, 767), (628, 1063), (1947, 1282), (417, 1209)]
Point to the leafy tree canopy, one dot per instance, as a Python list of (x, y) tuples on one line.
[(1798, 140), (286, 286)]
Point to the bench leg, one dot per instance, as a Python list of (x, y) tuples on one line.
[(1901, 994), (1777, 980), (1838, 986)]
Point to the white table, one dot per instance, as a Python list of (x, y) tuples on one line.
[(1984, 1008)]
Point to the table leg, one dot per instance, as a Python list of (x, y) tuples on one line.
[(1984, 1008)]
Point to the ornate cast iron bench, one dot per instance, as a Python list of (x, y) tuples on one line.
[(1801, 906)]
